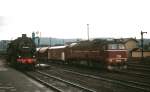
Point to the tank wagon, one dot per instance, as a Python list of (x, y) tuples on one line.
[(97, 53), (21, 52)]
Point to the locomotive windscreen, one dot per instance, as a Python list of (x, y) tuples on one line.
[(116, 46)]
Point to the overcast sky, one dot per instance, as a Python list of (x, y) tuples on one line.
[(69, 18)]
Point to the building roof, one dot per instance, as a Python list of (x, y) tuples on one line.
[(129, 39)]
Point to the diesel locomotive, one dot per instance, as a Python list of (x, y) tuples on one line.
[(21, 52), (106, 54)]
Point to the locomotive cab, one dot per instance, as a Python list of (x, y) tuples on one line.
[(115, 56)]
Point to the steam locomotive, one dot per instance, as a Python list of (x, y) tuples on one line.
[(106, 54), (21, 52)]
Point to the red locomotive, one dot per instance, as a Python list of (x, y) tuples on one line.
[(96, 53)]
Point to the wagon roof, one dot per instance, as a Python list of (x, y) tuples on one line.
[(89, 43), (96, 43), (57, 47), (42, 49)]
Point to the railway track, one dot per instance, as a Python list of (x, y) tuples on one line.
[(56, 83), (136, 68), (134, 73), (128, 83), (138, 65), (132, 84), (129, 71)]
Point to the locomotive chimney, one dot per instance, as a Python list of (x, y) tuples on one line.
[(24, 35)]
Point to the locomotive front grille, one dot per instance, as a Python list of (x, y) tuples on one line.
[(116, 60)]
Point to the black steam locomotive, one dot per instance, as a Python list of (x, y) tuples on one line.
[(21, 52)]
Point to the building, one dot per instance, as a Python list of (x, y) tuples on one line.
[(3, 46), (136, 54), (131, 43)]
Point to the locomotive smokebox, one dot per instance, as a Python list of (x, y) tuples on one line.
[(24, 35)]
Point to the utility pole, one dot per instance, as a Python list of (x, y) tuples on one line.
[(88, 31), (142, 56)]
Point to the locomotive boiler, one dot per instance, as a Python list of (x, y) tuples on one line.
[(21, 52)]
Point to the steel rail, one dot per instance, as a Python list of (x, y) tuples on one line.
[(137, 65), (135, 74), (68, 82), (44, 83), (140, 69), (131, 84)]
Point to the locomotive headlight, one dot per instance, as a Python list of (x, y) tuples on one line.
[(110, 60), (33, 56), (125, 59), (19, 56)]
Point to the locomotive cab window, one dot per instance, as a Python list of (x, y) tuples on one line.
[(116, 46), (112, 46), (121, 46)]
